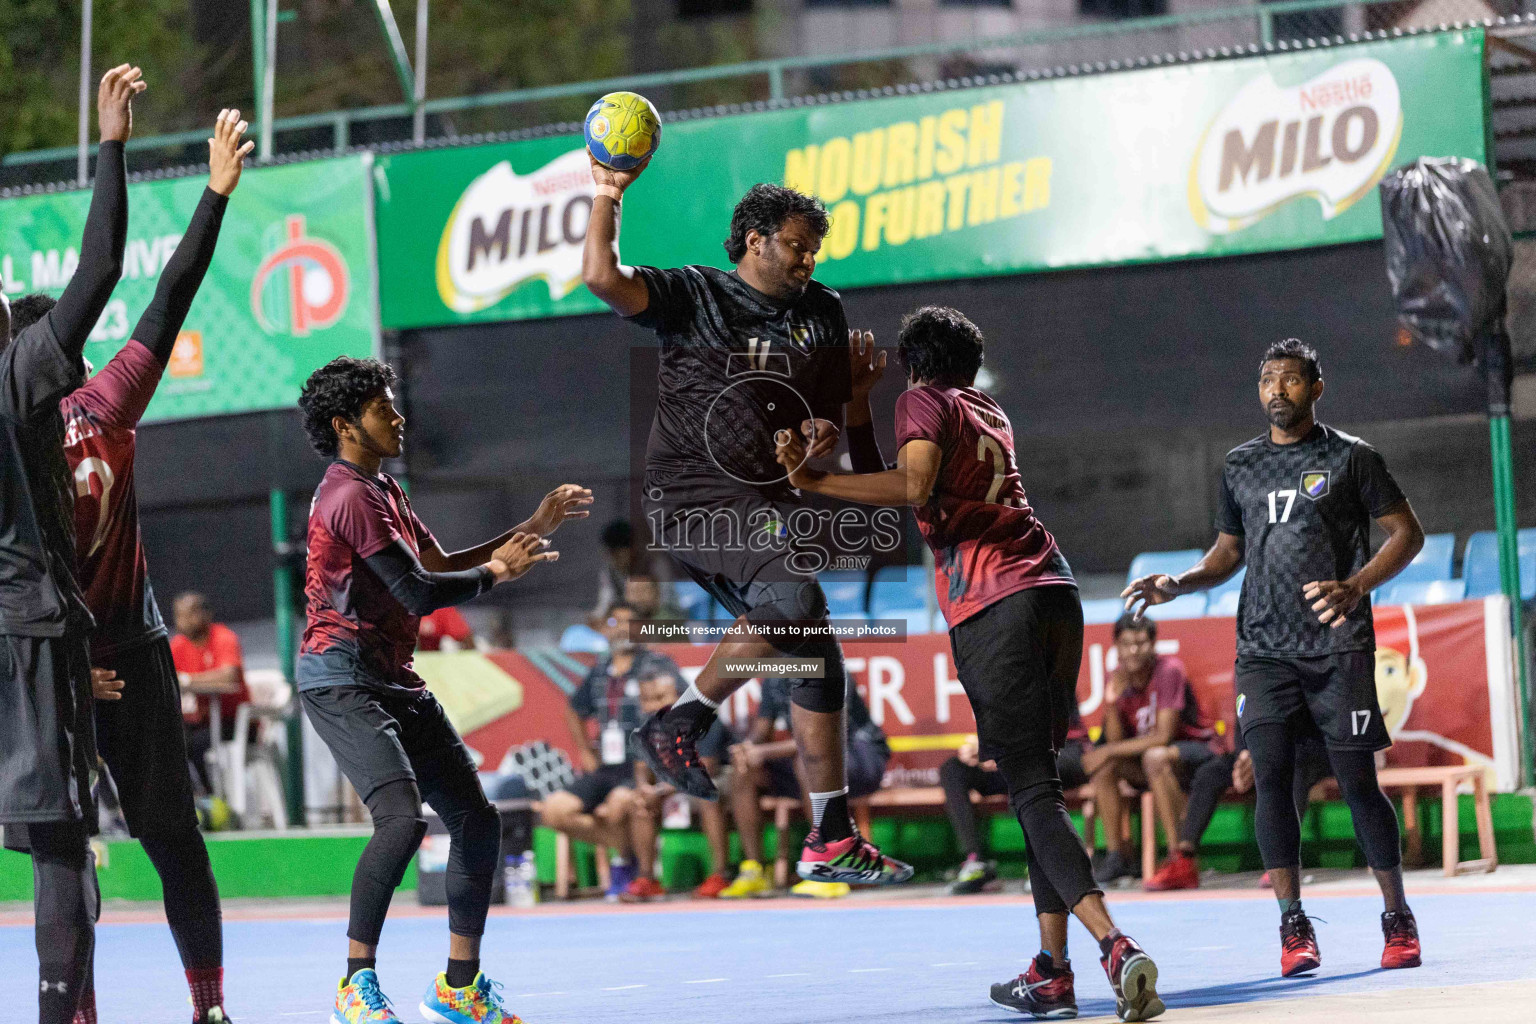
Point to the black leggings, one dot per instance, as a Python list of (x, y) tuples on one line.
[(1274, 749), (66, 903), (192, 908), (1060, 873), (1212, 779), (958, 779), (474, 831)]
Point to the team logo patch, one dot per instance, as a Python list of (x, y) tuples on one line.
[(1315, 484), (1242, 701)]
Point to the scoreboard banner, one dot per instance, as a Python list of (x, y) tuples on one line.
[(1211, 158), (291, 285)]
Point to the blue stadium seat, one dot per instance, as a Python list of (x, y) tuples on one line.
[(692, 599), (1424, 592), (916, 619), (1101, 610), (583, 639), (1169, 562), (1433, 562), (899, 590), (1480, 563), (1232, 586), (845, 594), (1223, 603), (1190, 606)]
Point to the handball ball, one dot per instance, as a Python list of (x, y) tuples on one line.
[(622, 130)]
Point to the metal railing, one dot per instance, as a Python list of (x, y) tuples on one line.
[(1090, 46)]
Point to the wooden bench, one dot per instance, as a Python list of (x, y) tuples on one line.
[(1407, 781)]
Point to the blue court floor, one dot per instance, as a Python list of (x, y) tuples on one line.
[(887, 961)]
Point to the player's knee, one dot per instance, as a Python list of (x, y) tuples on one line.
[(480, 836), (1155, 760)]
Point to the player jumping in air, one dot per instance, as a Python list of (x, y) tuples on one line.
[(373, 570), (1297, 504), (1016, 626), (743, 355), (47, 738)]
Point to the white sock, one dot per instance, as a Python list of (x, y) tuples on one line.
[(819, 803), (692, 694)]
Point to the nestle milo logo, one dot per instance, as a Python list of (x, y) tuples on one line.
[(1330, 139)]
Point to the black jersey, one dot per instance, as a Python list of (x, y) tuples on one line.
[(1304, 511), (736, 366)]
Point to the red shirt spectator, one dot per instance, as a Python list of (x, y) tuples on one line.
[(1169, 689), (444, 624), (208, 653)]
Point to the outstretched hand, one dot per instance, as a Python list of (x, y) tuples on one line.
[(227, 152), (865, 364), (1148, 591), (114, 102), (518, 555), (568, 501), (790, 452)]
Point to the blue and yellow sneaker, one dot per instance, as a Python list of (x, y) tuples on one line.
[(360, 1001), (479, 1003)]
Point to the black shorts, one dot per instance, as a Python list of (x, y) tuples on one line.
[(1069, 765), (47, 734), (142, 741), (594, 787), (379, 736), (1336, 692), (1017, 660)]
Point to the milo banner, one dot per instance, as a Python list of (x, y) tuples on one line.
[(289, 289), (1444, 680), (1202, 159)]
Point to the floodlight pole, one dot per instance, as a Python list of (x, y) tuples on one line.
[(268, 68), (419, 115), (82, 164)]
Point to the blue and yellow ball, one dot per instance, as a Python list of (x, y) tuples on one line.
[(622, 130)]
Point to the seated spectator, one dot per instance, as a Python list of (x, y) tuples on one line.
[(598, 806), (445, 630), (1155, 736), (767, 767), (964, 772), (650, 598), (209, 664), (657, 692), (618, 539)]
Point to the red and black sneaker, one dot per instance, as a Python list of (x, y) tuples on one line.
[(1402, 934), (1177, 872), (854, 860), (1044, 991), (671, 752), (1298, 944), (1133, 976)]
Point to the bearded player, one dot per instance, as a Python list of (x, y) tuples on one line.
[(745, 354), (1016, 626)]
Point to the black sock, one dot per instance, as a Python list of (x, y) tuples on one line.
[(360, 963), (695, 715), (1107, 943), (833, 821), (462, 973)]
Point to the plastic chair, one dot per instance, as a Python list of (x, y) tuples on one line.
[(1170, 562), (893, 595), (583, 639), (1099, 610), (1424, 592), (1190, 606), (1234, 585), (692, 599), (1434, 562), (845, 594), (1480, 563), (917, 620), (247, 769)]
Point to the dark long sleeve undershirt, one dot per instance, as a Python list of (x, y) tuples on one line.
[(864, 453), (421, 591), (183, 275), (101, 254)]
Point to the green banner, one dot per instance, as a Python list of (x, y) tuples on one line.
[(290, 287), (1202, 159)]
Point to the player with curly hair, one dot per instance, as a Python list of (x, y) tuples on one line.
[(373, 570)]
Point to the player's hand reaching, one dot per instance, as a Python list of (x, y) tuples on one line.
[(1148, 591), (790, 452), (227, 151), (518, 555), (866, 366), (619, 179), (568, 501), (114, 102), (1242, 772), (822, 436), (105, 685), (1333, 600)]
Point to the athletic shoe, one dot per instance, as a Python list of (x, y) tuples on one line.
[(477, 1003), (1402, 934), (711, 887), (854, 860), (1264, 882), (1133, 976), (1177, 872), (749, 883), (671, 752), (1116, 866), (1298, 944), (820, 890), (975, 875), (620, 875), (360, 1001), (1043, 992), (213, 1015), (642, 890)]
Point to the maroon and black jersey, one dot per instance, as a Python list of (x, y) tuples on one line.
[(985, 538), (100, 427), (356, 632)]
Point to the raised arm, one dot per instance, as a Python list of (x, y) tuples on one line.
[(866, 367), (601, 271), (183, 274)]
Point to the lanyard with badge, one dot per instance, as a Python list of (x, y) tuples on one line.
[(611, 743)]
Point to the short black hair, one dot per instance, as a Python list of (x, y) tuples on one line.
[(1130, 623), (618, 534), (765, 208), (1295, 348), (340, 388), (938, 344), (28, 310)]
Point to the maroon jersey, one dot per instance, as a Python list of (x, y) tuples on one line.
[(1169, 689), (356, 631), (985, 538), (100, 424)]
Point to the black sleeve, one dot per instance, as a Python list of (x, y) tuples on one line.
[(179, 281), (671, 300), (581, 700), (421, 591), (1379, 493), (864, 452), (101, 255), (1229, 515), (835, 379)]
